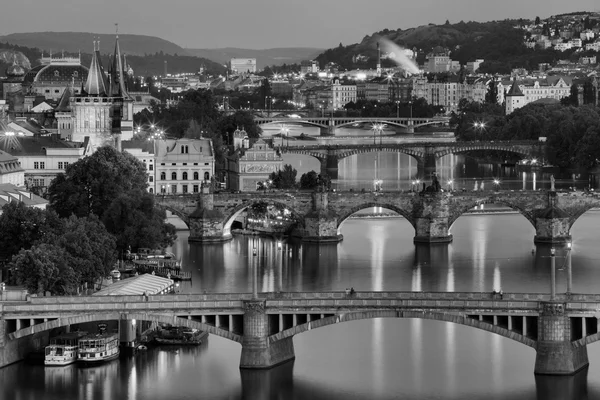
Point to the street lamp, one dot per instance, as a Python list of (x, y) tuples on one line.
[(552, 274), (569, 269), (496, 184), (450, 183), (479, 126), (397, 108)]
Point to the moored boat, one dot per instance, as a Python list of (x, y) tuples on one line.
[(180, 336), (62, 349), (98, 348)]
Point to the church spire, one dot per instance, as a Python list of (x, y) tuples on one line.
[(95, 85), (117, 73)]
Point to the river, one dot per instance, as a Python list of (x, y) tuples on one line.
[(367, 359)]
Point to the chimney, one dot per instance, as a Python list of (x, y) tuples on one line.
[(165, 68)]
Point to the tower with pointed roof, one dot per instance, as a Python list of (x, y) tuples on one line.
[(514, 98), (123, 102), (378, 60)]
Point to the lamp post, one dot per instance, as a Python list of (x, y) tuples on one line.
[(569, 269), (479, 126), (496, 184), (254, 269), (397, 108), (552, 274)]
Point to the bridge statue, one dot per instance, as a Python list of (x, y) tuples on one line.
[(435, 186), (552, 189)]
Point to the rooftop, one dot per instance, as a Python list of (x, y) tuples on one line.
[(138, 285)]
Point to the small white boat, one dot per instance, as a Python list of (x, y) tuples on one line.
[(62, 349)]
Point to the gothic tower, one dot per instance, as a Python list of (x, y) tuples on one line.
[(122, 127)]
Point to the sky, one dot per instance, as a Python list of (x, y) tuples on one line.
[(263, 24)]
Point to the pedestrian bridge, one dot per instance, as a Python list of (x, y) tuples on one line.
[(265, 324)]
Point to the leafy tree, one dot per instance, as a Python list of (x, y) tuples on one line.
[(89, 185), (309, 180), (537, 20), (135, 221), (44, 268), (227, 124), (285, 178), (90, 249), (21, 227)]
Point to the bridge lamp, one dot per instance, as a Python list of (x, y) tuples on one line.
[(279, 246), (533, 161), (450, 183)]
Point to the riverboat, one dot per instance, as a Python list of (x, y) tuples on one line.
[(180, 336), (62, 349), (98, 348)]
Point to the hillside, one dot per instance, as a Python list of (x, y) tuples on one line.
[(265, 57), (483, 39), (74, 42)]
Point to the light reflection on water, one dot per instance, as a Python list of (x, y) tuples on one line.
[(382, 359)]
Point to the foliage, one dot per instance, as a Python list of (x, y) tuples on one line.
[(43, 268), (285, 178), (21, 227), (89, 185), (309, 180), (240, 119), (135, 221)]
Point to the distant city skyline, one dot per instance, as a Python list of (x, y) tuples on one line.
[(263, 24)]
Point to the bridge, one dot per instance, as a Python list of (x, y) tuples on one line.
[(558, 327), (426, 154), (319, 215), (328, 125)]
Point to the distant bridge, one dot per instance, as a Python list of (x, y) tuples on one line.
[(558, 328), (318, 216), (329, 124), (426, 154)]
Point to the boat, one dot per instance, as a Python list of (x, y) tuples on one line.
[(98, 348), (115, 274), (180, 336), (62, 349)]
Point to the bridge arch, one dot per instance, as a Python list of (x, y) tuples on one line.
[(113, 316), (319, 156), (576, 214), (347, 213), (299, 121), (341, 125), (468, 205), (184, 217), (475, 146), (354, 316), (228, 221), (417, 155)]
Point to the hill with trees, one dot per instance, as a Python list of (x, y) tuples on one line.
[(499, 43)]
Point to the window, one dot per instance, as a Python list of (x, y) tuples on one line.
[(36, 165), (162, 163), (151, 167), (163, 176), (66, 164), (195, 163), (184, 149), (184, 176), (184, 188), (205, 163), (196, 176), (206, 176), (75, 74), (56, 73), (173, 176), (173, 188), (196, 187), (162, 189), (56, 91), (151, 179), (60, 165), (151, 190), (174, 164), (184, 163), (38, 182)]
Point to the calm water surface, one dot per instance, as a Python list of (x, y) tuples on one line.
[(368, 359)]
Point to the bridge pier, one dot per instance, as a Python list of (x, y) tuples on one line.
[(321, 223), (258, 352), (127, 333), (426, 166), (555, 354), (329, 166), (431, 222), (552, 225), (206, 223)]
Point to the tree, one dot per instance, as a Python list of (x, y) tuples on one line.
[(537, 20), (285, 178), (90, 248), (135, 221), (43, 268), (309, 180), (89, 185), (21, 227)]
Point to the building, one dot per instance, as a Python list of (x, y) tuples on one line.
[(552, 87), (473, 66), (54, 75), (441, 63), (143, 150), (42, 158), (10, 193), (13, 83), (10, 170), (247, 169), (308, 67), (449, 92), (183, 165), (104, 109), (243, 65), (342, 93)]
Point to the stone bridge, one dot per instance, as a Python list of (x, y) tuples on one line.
[(319, 215), (426, 154), (558, 328), (329, 124)]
